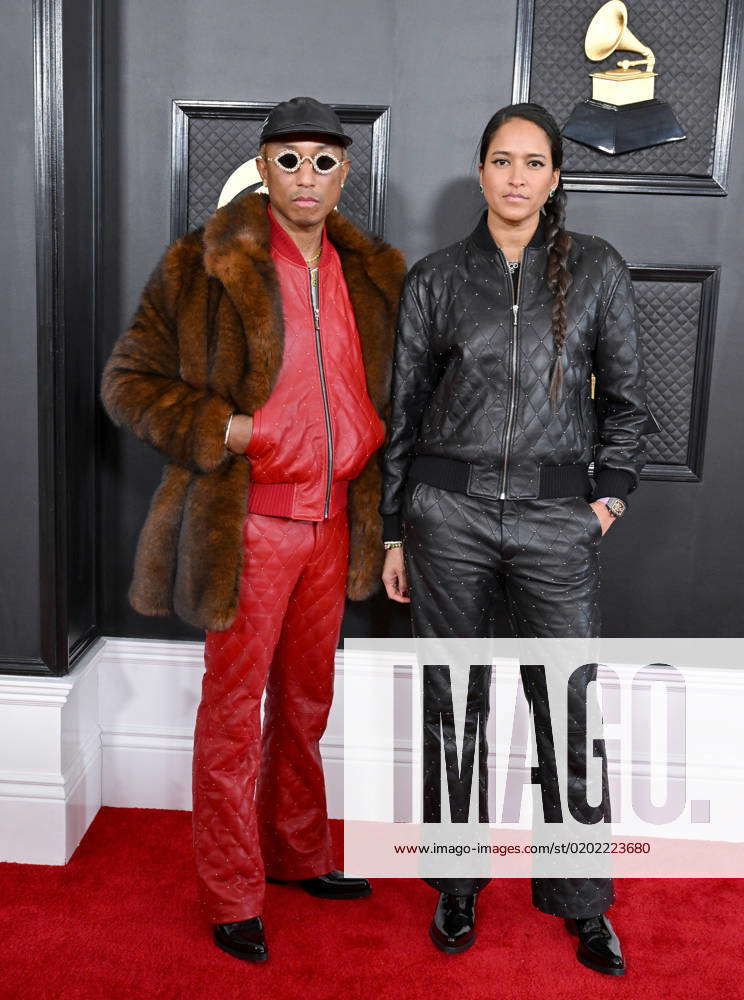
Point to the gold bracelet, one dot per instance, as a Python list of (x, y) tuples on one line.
[(392, 545)]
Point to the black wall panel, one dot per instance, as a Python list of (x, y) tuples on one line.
[(88, 181)]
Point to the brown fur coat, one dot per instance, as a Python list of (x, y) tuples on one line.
[(206, 341)]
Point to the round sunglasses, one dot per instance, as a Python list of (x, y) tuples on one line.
[(290, 161)]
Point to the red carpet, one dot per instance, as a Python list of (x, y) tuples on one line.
[(121, 921)]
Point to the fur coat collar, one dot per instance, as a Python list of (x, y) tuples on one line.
[(236, 249)]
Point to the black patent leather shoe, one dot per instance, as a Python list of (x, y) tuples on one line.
[(243, 939), (333, 885), (453, 928), (599, 947)]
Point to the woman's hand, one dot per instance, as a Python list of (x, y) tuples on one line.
[(394, 576), (241, 432), (605, 518)]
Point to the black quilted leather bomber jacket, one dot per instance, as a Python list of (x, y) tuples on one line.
[(470, 408)]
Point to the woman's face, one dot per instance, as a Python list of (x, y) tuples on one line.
[(517, 174)]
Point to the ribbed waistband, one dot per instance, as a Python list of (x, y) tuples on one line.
[(277, 499), (450, 474)]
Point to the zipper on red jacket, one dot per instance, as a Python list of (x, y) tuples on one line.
[(511, 406), (314, 302)]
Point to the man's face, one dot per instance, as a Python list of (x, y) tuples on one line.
[(304, 198)]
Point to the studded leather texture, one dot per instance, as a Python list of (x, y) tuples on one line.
[(283, 639), (464, 555), (467, 387)]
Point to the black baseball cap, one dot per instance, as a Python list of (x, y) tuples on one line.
[(303, 114)]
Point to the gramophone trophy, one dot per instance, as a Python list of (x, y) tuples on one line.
[(623, 113)]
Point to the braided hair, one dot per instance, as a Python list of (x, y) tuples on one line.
[(557, 239)]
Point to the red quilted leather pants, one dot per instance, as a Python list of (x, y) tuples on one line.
[(259, 796)]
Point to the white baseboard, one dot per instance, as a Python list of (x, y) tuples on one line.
[(50, 762), (118, 731), (149, 693)]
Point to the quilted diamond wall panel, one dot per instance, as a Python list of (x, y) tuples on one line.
[(212, 140)]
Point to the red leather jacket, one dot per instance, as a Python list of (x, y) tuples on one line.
[(318, 428)]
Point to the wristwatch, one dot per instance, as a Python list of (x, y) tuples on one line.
[(614, 505)]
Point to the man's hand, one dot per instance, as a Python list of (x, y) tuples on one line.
[(241, 432), (605, 518), (394, 576)]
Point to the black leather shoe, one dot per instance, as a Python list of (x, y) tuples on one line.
[(599, 947), (244, 939), (333, 885), (453, 928)]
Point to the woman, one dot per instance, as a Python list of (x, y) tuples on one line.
[(486, 489)]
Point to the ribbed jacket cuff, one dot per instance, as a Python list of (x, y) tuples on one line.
[(392, 528), (612, 483)]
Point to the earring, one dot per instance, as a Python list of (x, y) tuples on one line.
[(481, 188), (552, 192)]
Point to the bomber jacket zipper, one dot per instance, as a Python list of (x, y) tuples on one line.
[(314, 297), (511, 406), (582, 421)]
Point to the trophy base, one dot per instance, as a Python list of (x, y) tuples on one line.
[(614, 129)]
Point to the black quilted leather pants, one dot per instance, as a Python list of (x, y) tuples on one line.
[(464, 556)]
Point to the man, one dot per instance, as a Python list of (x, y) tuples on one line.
[(262, 345)]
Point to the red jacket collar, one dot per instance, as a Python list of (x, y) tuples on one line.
[(282, 243)]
